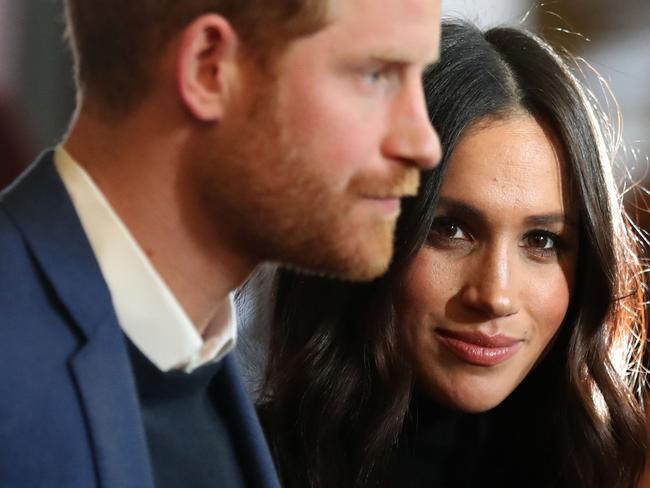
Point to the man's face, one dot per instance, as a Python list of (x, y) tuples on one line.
[(310, 168)]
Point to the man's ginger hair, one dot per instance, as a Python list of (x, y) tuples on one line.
[(115, 43)]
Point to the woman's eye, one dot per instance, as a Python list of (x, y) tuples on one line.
[(541, 241), (444, 228), (542, 244)]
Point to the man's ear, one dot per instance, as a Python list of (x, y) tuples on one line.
[(207, 66)]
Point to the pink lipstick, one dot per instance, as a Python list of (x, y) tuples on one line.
[(477, 348)]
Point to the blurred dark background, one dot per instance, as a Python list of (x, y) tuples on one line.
[(37, 95)]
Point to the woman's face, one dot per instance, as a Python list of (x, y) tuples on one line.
[(482, 301)]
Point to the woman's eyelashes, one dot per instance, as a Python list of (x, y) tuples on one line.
[(539, 244), (542, 244), (448, 231)]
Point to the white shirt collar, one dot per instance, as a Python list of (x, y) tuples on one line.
[(146, 309)]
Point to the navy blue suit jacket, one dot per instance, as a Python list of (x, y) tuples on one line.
[(69, 413)]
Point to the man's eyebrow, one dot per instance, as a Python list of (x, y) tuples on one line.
[(464, 209), (388, 60), (399, 57)]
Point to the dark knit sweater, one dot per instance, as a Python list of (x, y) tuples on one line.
[(189, 442), (511, 446)]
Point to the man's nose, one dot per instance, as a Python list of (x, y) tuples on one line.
[(412, 137)]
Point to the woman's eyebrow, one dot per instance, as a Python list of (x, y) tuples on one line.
[(464, 209), (469, 211), (551, 218)]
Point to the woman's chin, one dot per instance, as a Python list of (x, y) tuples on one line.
[(476, 406), (469, 400)]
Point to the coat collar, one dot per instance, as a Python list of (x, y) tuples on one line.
[(42, 210)]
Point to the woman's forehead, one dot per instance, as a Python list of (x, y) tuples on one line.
[(506, 163)]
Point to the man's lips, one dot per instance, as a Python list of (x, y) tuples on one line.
[(387, 203), (388, 198), (477, 348)]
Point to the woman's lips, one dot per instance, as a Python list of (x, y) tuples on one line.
[(477, 348)]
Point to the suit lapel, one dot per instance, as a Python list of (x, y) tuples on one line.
[(250, 443), (39, 205), (105, 380)]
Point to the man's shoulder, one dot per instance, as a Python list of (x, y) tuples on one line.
[(14, 253), (25, 293), (23, 290)]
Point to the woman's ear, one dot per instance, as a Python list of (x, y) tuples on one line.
[(207, 66)]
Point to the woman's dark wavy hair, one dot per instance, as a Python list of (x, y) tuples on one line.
[(338, 384)]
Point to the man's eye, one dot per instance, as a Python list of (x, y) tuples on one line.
[(375, 76), (386, 76)]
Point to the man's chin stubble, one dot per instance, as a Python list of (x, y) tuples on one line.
[(358, 261)]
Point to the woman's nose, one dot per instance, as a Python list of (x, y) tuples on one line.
[(490, 288)]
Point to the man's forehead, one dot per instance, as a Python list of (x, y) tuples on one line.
[(400, 30), (418, 7)]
